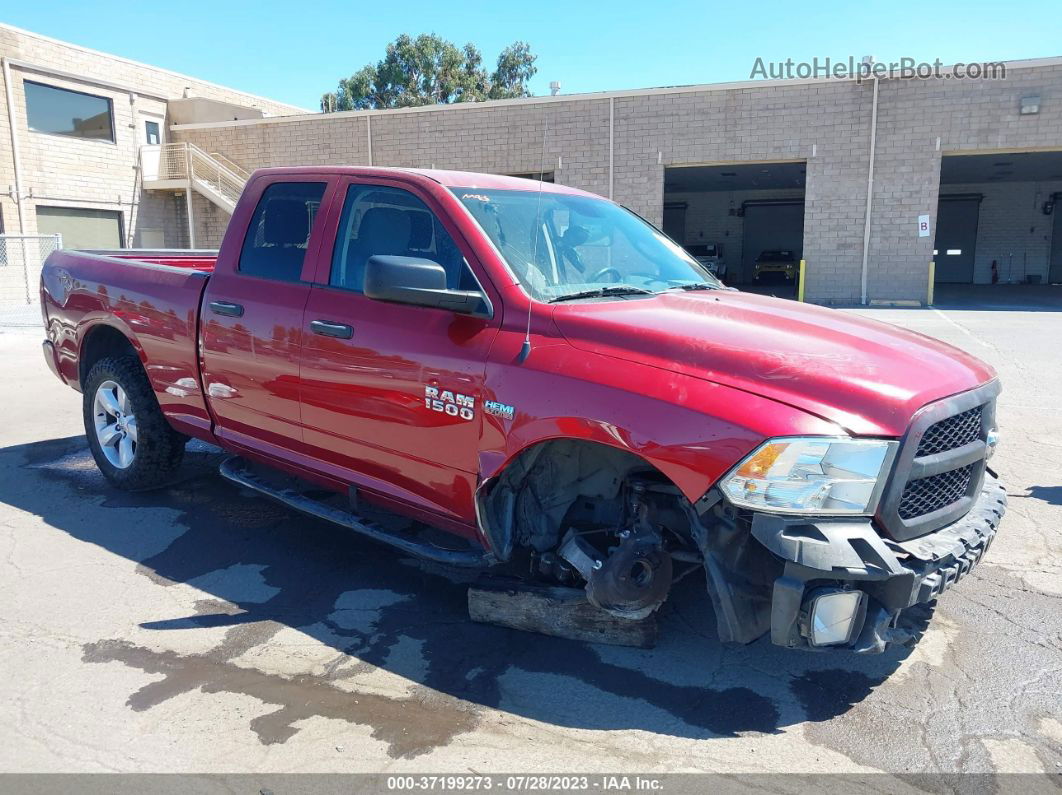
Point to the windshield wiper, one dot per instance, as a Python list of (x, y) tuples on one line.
[(694, 286), (601, 292)]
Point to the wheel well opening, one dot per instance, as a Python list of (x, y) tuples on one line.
[(526, 505), (564, 490), (102, 342)]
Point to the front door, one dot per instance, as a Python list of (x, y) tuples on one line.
[(252, 320), (392, 392), (153, 129)]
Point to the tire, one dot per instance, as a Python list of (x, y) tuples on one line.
[(133, 444)]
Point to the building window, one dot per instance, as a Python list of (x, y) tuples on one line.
[(151, 129), (546, 176), (62, 112)]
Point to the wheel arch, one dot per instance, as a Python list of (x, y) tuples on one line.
[(496, 500), (103, 340)]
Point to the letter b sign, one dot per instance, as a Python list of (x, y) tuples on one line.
[(923, 226)]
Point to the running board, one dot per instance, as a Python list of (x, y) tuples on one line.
[(240, 472)]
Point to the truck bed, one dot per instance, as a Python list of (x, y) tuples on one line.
[(197, 259), (152, 297)]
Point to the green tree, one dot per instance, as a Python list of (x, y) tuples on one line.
[(429, 70)]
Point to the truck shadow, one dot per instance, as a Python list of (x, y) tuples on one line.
[(1052, 495), (265, 571)]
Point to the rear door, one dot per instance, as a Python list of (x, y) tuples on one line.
[(251, 324), (392, 392)]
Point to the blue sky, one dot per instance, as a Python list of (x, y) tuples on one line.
[(294, 52)]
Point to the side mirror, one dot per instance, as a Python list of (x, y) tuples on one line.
[(420, 282)]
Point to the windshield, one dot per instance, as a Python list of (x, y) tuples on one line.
[(778, 256), (560, 245)]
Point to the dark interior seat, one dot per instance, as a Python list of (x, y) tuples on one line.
[(383, 230), (285, 230)]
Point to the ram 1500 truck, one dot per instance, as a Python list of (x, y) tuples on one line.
[(536, 380)]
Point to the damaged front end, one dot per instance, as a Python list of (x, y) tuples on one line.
[(586, 516), (834, 583), (819, 542), (826, 580), (631, 578)]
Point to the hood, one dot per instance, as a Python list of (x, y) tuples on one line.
[(866, 376)]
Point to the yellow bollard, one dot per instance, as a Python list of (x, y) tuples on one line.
[(932, 278), (800, 282)]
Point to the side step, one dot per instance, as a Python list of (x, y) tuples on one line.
[(241, 472)]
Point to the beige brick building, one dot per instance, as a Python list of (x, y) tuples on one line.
[(86, 180), (746, 166)]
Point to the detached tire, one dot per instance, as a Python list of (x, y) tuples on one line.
[(133, 444)]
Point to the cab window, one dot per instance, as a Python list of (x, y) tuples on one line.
[(392, 221)]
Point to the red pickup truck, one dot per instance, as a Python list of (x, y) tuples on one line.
[(548, 386)]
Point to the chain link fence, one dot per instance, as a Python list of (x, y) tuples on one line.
[(21, 258)]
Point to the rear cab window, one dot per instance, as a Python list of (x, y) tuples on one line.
[(279, 233)]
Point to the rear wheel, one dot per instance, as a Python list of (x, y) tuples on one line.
[(133, 444)]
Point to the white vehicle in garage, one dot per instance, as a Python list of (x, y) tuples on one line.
[(710, 255)]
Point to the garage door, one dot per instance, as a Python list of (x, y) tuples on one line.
[(956, 239), (81, 228), (675, 221), (770, 227), (1055, 277)]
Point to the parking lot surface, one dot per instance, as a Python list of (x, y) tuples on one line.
[(202, 629)]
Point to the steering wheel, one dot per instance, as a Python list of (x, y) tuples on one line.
[(608, 270)]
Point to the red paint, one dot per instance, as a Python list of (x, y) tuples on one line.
[(689, 381), (868, 377), (195, 261)]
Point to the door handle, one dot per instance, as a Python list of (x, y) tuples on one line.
[(328, 329), (226, 308)]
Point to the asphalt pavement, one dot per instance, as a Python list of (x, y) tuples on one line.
[(202, 629)]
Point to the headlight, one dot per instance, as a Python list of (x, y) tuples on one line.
[(814, 474)]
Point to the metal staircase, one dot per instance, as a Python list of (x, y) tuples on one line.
[(184, 165)]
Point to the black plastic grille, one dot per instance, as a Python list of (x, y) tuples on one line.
[(926, 495), (946, 439), (951, 432)]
